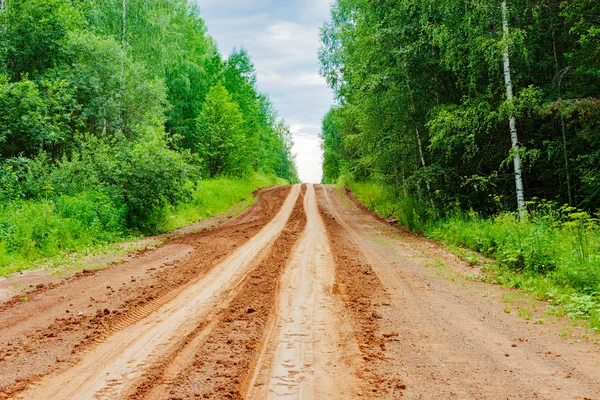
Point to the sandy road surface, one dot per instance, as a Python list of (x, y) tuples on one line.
[(105, 371), (310, 351), (305, 296), (452, 342)]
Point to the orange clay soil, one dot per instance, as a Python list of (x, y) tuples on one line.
[(305, 296), (58, 321)]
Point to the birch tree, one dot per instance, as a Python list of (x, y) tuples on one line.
[(512, 120)]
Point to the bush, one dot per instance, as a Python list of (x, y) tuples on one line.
[(145, 177), (33, 229), (151, 178)]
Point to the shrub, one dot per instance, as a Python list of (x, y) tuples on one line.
[(32, 229)]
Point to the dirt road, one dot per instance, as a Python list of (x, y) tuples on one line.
[(304, 296)]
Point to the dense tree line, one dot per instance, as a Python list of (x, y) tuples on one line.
[(127, 99), (423, 106)]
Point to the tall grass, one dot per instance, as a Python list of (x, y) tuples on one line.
[(217, 196), (553, 253), (34, 230), (388, 203)]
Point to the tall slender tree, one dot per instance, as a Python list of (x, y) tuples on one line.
[(516, 154)]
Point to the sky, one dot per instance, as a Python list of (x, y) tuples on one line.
[(282, 37)]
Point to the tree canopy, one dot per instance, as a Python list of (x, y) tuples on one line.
[(422, 100)]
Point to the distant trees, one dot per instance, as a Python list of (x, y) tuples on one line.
[(425, 81)]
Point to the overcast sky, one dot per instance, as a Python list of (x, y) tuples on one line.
[(282, 37)]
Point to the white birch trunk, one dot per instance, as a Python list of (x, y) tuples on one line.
[(512, 120)]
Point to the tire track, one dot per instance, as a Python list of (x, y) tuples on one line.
[(106, 370), (49, 331), (449, 341), (220, 364), (310, 352), (366, 302)]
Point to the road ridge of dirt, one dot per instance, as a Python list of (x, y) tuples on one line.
[(66, 337), (225, 361), (364, 295), (107, 370)]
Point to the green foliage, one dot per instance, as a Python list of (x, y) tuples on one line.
[(220, 137), (110, 111), (562, 243), (150, 178), (388, 204), (421, 129), (422, 99), (33, 32), (331, 143), (115, 93), (553, 253), (217, 196), (30, 230), (35, 116)]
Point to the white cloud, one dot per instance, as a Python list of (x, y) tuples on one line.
[(309, 158), (292, 79)]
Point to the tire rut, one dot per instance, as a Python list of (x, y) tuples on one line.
[(452, 342), (365, 299), (39, 337), (227, 356), (121, 336), (310, 351)]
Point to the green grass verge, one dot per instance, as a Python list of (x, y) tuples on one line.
[(553, 254), (47, 233), (217, 196)]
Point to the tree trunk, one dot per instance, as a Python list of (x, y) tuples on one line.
[(418, 134), (559, 75), (566, 157), (123, 22), (424, 164), (512, 121)]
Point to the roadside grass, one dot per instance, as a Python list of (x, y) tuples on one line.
[(554, 254), (385, 203), (217, 196), (64, 230)]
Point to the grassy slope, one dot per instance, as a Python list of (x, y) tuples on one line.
[(57, 231), (553, 254), (217, 196)]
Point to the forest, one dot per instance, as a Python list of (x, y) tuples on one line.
[(477, 124), (114, 113)]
